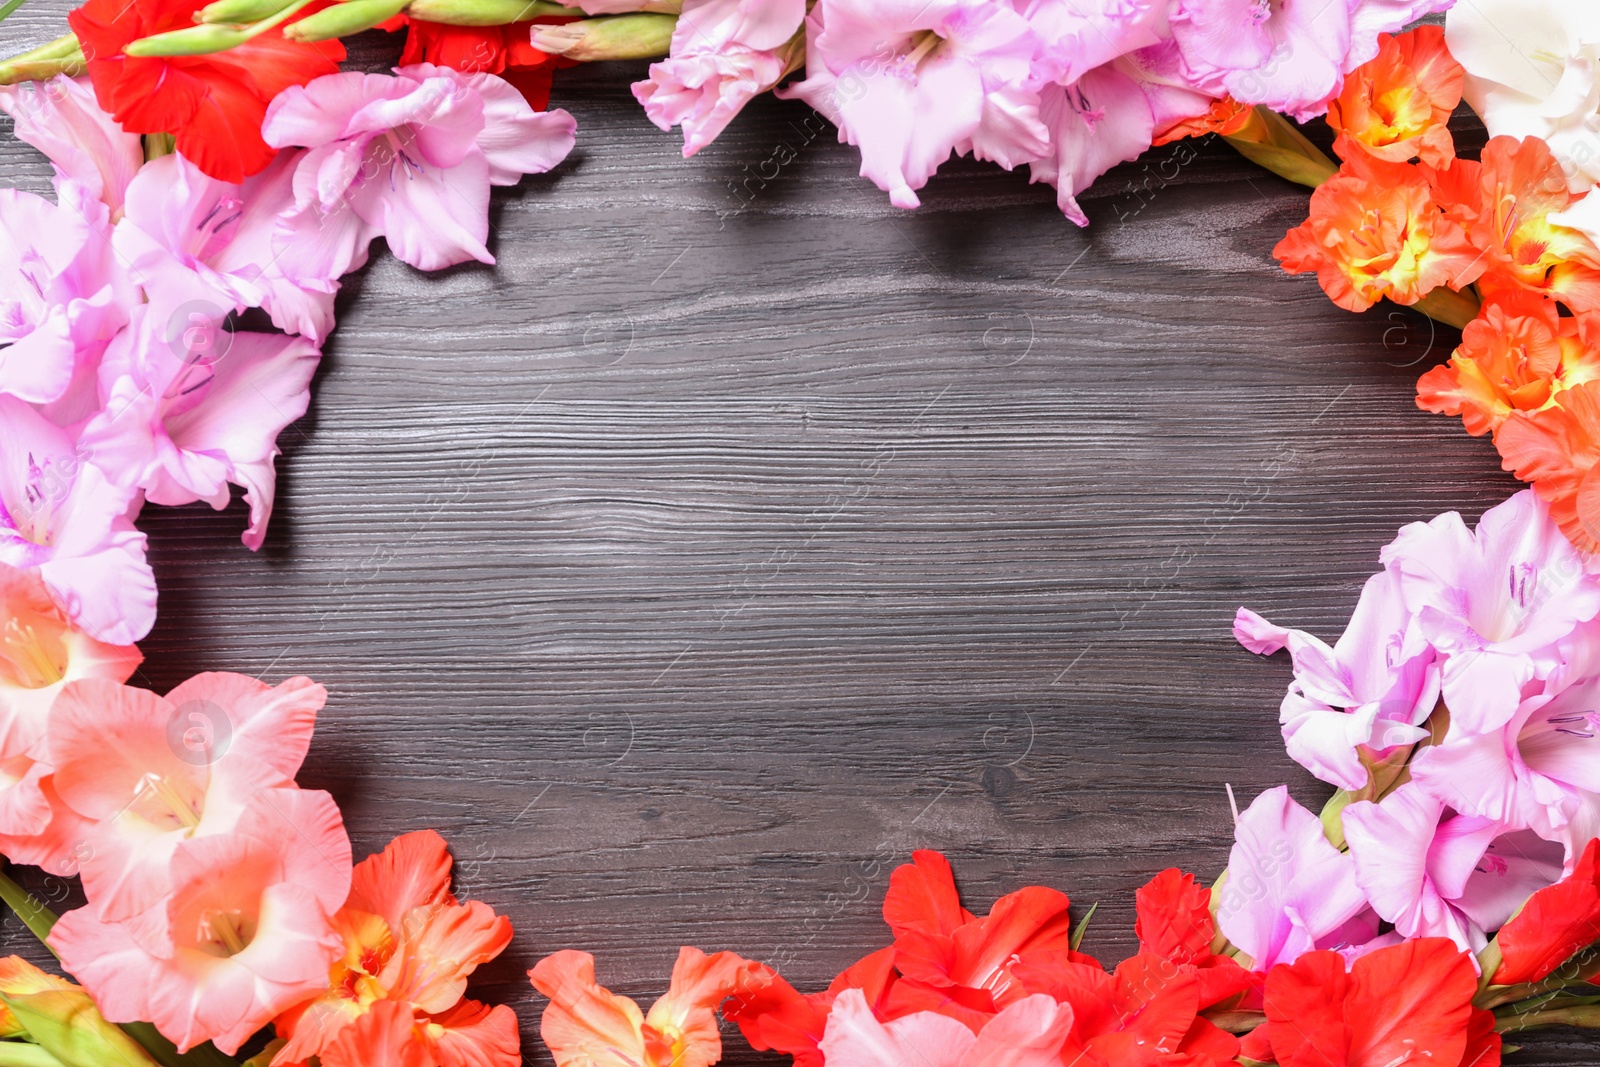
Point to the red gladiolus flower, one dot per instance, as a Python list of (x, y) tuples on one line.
[(1409, 1003), (1553, 925), (212, 104), (1557, 450)]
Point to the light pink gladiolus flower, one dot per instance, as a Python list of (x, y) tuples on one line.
[(62, 517), (61, 118), (191, 408), (911, 82), (1290, 55), (1371, 691), (1541, 769), (62, 293), (1027, 1033), (724, 53), (1495, 601), (1434, 873), (1288, 890), (151, 773), (193, 241), (1079, 36), (1102, 119), (244, 934), (410, 158)]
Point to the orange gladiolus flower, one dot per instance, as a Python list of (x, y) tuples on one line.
[(396, 995), (1517, 355), (1504, 204), (1557, 450), (1374, 232), (587, 1025), (1397, 105)]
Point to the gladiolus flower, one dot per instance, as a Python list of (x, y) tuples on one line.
[(1505, 205), (1397, 106), (242, 934), (1403, 1004), (1557, 449), (506, 51), (1375, 231), (84, 144), (586, 1025), (212, 104), (396, 992), (1519, 354), (60, 516), (1028, 1033), (152, 773), (1555, 923)]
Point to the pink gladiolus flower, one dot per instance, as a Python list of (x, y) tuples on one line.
[(912, 81), (1101, 120), (195, 242), (243, 934), (1079, 37), (1541, 769), (1030, 1032), (153, 773), (62, 294), (1288, 890), (1437, 874), (191, 408), (1495, 602), (61, 118), (61, 516), (410, 158), (1291, 55), (724, 53), (1368, 694), (41, 651)]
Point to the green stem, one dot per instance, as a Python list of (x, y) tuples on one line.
[(1272, 141), (34, 915), (9, 7), (1449, 307), (21, 1054)]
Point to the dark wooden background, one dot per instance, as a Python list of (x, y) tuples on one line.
[(716, 550)]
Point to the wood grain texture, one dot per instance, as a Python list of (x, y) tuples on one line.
[(737, 535)]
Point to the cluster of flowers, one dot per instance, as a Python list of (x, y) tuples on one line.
[(1504, 245), (221, 895), (124, 379), (1453, 716)]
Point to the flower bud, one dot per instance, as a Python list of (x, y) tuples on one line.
[(38, 67), (199, 40), (484, 12), (67, 1025), (239, 11), (342, 20), (617, 37)]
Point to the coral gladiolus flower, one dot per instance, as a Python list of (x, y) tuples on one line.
[(1397, 106), (243, 934), (1505, 204), (396, 992), (153, 773), (213, 104), (1557, 450), (1555, 923), (1374, 232), (1409, 1003), (1517, 355), (587, 1025)]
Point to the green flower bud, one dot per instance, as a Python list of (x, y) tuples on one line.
[(32, 68), (66, 1024), (617, 37), (200, 40), (342, 20), (241, 11), (484, 12)]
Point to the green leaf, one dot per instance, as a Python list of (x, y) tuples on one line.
[(66, 1024)]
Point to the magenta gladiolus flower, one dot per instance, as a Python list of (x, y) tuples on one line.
[(912, 81), (191, 407), (410, 158), (724, 53), (62, 293), (60, 516), (62, 119), (1434, 873)]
